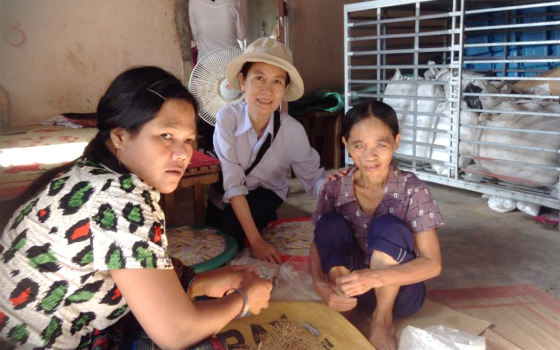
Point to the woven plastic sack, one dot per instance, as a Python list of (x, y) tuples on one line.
[(399, 86), (529, 176), (439, 338)]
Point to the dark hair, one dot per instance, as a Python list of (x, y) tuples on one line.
[(248, 65), (132, 99), (370, 109), (135, 97)]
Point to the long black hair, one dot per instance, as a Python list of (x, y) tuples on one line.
[(132, 99), (370, 109)]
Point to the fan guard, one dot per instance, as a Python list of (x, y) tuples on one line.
[(209, 84)]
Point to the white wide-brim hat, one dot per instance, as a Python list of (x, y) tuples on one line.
[(269, 51)]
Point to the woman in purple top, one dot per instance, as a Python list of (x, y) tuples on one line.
[(375, 236)]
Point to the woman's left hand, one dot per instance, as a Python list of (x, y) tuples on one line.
[(218, 282), (359, 282), (338, 173)]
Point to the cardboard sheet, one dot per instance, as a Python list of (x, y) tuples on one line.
[(433, 314)]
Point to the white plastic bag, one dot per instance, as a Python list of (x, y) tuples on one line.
[(529, 208), (264, 268), (295, 282), (292, 280), (501, 204), (439, 338)]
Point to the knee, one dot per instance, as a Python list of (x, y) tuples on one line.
[(380, 260), (391, 228), (388, 221), (330, 224), (329, 220)]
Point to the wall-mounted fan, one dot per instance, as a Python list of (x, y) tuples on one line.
[(210, 86)]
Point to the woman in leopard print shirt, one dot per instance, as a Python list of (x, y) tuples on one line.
[(86, 243)]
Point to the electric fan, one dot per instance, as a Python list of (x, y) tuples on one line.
[(210, 86)]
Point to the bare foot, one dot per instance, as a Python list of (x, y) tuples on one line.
[(382, 336)]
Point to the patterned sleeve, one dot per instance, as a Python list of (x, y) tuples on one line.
[(423, 213), (325, 203), (128, 227)]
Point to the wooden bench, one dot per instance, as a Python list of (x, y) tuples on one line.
[(202, 170), (324, 132)]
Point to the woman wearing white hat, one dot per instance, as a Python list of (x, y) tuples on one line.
[(257, 144)]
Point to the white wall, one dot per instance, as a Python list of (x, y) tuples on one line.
[(261, 11), (60, 55)]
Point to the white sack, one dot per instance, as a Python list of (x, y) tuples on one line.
[(401, 88), (536, 176)]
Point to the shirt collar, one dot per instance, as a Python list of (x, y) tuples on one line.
[(246, 124), (392, 187), (97, 150), (347, 193)]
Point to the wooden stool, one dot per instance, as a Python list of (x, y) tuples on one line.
[(324, 132), (202, 170)]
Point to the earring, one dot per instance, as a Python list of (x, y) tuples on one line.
[(117, 145)]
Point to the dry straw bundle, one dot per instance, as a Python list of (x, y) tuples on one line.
[(287, 335), (290, 237), (193, 246)]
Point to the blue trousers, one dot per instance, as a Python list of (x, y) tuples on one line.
[(337, 246)]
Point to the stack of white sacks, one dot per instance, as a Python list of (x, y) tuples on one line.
[(505, 171)]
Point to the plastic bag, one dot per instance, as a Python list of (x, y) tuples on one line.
[(329, 100), (439, 338), (292, 280), (529, 208), (501, 204), (295, 282), (264, 269)]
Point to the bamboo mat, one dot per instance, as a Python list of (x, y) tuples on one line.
[(523, 316)]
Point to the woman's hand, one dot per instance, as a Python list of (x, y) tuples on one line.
[(217, 282), (337, 174), (265, 251), (359, 282), (258, 292), (339, 303)]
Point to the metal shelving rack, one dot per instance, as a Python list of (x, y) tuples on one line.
[(384, 35)]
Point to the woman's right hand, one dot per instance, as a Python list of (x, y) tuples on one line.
[(258, 292), (328, 292), (265, 251), (338, 174)]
